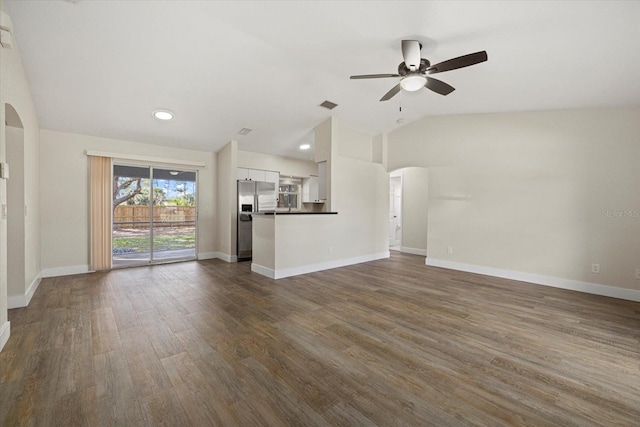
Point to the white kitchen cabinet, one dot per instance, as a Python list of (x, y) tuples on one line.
[(322, 181), (273, 177), (257, 175), (243, 174), (310, 190)]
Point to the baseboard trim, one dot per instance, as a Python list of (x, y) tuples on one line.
[(19, 301), (414, 251), (267, 272), (5, 333), (312, 268), (537, 279), (225, 257), (207, 255), (65, 271), (33, 287), (16, 301)]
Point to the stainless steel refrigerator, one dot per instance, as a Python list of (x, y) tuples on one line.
[(253, 196)]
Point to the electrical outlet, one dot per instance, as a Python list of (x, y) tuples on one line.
[(595, 268), (638, 273), (450, 250)]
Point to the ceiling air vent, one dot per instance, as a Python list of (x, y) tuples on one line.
[(244, 131), (328, 105)]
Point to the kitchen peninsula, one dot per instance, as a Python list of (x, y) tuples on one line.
[(291, 243)]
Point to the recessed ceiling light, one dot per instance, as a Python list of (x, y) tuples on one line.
[(163, 115), (305, 146)]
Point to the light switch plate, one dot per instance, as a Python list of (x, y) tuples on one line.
[(6, 40), (4, 170)]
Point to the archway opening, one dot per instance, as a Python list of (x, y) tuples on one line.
[(14, 132)]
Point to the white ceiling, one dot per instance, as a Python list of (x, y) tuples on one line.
[(101, 67)]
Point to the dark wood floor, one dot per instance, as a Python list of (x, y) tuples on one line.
[(390, 342)]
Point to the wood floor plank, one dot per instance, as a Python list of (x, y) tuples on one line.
[(116, 396), (104, 331), (389, 342), (195, 392)]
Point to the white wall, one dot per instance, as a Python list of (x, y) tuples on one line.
[(16, 286), (226, 201), (64, 190), (359, 192), (361, 198), (325, 149), (14, 90), (360, 195), (380, 149), (547, 193), (284, 165), (355, 145)]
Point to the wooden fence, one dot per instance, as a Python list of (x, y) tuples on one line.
[(132, 216)]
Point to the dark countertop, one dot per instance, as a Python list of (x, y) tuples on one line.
[(295, 213)]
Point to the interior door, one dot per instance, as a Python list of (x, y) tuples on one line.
[(395, 211)]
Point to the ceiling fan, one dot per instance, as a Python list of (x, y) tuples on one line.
[(415, 70)]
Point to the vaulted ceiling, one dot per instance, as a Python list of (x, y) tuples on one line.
[(101, 67)]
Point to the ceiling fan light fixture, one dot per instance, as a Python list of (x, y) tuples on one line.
[(413, 82)]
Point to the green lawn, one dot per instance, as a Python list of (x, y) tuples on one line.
[(141, 243)]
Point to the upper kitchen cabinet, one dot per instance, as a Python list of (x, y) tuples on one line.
[(271, 176), (257, 175), (245, 174), (322, 181), (314, 188), (310, 190)]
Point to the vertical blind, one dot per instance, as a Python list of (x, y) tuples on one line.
[(100, 212)]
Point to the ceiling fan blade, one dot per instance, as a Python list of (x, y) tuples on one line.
[(438, 86), (374, 76), (411, 54), (459, 62), (394, 90)]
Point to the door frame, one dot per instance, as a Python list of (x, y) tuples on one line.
[(152, 166), (399, 177)]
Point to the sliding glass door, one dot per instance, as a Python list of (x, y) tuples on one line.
[(154, 215), (174, 215)]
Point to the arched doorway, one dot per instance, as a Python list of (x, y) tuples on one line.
[(14, 132)]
